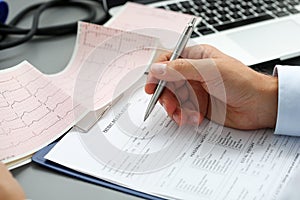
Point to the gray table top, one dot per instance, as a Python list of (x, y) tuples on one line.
[(50, 55)]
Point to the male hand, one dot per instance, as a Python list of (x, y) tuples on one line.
[(208, 83)]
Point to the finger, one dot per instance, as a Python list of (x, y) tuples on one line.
[(169, 102), (151, 84), (189, 105), (201, 52), (183, 69), (9, 186), (152, 81), (163, 57), (177, 116), (187, 116), (179, 84), (193, 117), (182, 93), (198, 97), (4, 173)]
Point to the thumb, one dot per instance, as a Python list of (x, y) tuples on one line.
[(183, 69)]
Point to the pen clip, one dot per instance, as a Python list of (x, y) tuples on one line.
[(91, 118)]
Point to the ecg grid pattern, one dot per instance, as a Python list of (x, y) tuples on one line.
[(36, 109), (160, 22), (103, 56), (33, 111)]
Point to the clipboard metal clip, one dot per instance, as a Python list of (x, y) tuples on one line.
[(91, 118)]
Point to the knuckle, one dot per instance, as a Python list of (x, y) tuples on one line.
[(179, 65), (163, 57)]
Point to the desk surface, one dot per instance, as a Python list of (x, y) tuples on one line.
[(50, 55)]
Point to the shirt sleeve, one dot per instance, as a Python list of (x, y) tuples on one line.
[(288, 112)]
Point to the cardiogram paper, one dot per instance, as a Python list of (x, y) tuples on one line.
[(35, 108)]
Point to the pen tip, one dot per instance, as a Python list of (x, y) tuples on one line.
[(145, 118), (146, 115)]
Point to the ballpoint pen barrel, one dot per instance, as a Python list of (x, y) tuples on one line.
[(176, 53), (159, 89), (182, 43)]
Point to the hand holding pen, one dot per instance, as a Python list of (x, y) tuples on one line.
[(176, 53), (206, 83)]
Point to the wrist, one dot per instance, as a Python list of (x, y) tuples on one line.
[(268, 101)]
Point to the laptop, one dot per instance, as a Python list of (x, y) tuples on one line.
[(253, 31)]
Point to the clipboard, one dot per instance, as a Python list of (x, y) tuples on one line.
[(91, 118), (38, 158)]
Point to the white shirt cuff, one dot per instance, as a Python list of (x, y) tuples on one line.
[(288, 112)]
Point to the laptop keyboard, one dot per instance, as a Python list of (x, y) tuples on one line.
[(223, 15)]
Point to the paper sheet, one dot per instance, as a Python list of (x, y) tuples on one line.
[(35, 109), (157, 157), (214, 162), (135, 16), (159, 23), (105, 62), (34, 112), (101, 59)]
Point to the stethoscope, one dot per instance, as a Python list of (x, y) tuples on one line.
[(11, 28)]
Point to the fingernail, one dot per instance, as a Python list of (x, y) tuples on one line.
[(176, 118), (159, 68), (194, 119), (151, 79)]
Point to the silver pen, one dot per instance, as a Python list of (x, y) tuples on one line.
[(185, 36)]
